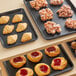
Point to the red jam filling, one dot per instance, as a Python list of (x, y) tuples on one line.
[(43, 68), (57, 62), (23, 72), (34, 54), (50, 49), (17, 59)]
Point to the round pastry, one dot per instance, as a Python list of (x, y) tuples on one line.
[(35, 56), (73, 45), (25, 72), (52, 51), (59, 63), (18, 61), (42, 69)]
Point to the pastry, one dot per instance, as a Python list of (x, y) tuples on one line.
[(46, 14), (73, 45), (26, 37), (37, 4), (17, 18), (25, 72), (56, 2), (52, 51), (11, 39), (35, 56), (65, 11), (59, 63), (42, 69), (70, 23), (18, 62), (4, 19), (8, 29), (21, 27), (52, 27)]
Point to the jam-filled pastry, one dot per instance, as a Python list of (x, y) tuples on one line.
[(21, 27), (59, 63), (42, 69), (8, 29), (35, 56), (56, 2), (52, 51), (11, 39), (26, 37), (70, 23), (73, 45), (65, 11), (4, 19), (46, 14), (25, 72), (18, 62), (52, 27), (17, 18), (37, 4)]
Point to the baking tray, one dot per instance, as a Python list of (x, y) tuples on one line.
[(46, 59), (30, 28), (72, 50), (65, 31)]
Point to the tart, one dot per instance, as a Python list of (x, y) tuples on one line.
[(25, 72), (26, 37), (42, 69), (11, 39), (21, 27), (35, 56), (37, 4), (52, 51), (52, 27), (8, 29), (65, 11), (17, 18), (4, 19), (73, 45), (46, 14), (59, 63), (18, 62)]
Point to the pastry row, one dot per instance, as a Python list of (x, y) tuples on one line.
[(16, 18), (73, 45), (41, 69)]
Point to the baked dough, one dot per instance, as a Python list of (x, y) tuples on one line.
[(21, 27), (35, 56), (17, 18), (11, 39), (25, 72), (8, 29), (52, 51), (73, 45), (4, 19), (59, 63), (18, 62), (26, 37), (42, 69)]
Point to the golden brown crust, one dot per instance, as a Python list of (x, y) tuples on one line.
[(8, 29), (73, 45), (4, 19), (17, 18), (30, 72), (11, 39), (26, 37), (21, 27), (18, 64), (39, 72), (61, 66), (35, 59), (53, 53)]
